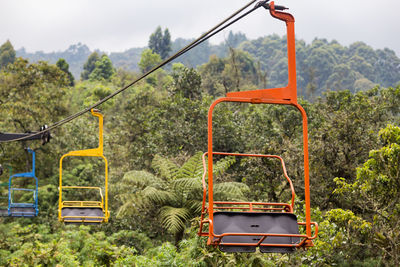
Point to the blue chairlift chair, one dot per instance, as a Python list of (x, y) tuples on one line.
[(16, 208)]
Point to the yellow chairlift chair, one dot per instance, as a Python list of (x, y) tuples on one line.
[(82, 211)]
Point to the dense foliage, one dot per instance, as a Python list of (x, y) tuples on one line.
[(321, 65), (154, 133)]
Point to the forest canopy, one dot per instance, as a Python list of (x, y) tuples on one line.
[(321, 64), (155, 133)]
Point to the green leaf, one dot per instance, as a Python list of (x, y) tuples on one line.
[(174, 219)]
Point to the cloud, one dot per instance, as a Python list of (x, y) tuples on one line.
[(118, 25)]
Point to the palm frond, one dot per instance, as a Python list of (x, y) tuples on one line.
[(223, 165), (194, 206), (165, 167), (174, 219), (140, 179), (230, 190), (187, 184), (158, 196), (132, 204), (192, 167)]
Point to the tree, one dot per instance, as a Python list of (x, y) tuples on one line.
[(63, 65), (175, 193), (7, 54), (160, 43), (148, 60), (376, 193), (89, 65), (234, 73), (32, 95), (103, 69), (187, 81), (235, 39)]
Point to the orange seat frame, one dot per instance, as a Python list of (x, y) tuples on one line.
[(281, 96)]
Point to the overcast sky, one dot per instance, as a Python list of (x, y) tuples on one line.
[(117, 25)]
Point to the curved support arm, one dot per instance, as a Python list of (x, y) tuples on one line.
[(288, 93), (26, 174), (33, 160), (284, 16), (92, 151), (96, 113)]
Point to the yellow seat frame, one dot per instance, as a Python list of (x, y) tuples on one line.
[(103, 204)]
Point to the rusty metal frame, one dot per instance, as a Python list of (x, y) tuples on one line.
[(281, 96)]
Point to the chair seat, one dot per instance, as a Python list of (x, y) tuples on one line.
[(22, 212), (256, 222), (76, 215), (3, 212)]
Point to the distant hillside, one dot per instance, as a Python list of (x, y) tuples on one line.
[(324, 65), (76, 55), (321, 65)]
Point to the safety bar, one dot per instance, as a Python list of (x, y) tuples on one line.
[(22, 189), (22, 205), (71, 203), (81, 204), (252, 206)]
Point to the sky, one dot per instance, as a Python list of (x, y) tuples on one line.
[(117, 25)]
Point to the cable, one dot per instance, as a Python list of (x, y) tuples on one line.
[(216, 29)]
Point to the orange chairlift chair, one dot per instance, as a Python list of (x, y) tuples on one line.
[(243, 226), (87, 212)]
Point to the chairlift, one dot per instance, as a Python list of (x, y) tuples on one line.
[(244, 226), (85, 211), (16, 207)]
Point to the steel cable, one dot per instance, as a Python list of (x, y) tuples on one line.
[(216, 29)]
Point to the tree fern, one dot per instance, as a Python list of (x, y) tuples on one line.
[(131, 204), (223, 165), (230, 191), (174, 219), (141, 179), (192, 168), (158, 196), (176, 191), (165, 167), (188, 184), (194, 206)]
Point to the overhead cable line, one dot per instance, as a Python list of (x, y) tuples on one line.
[(216, 29)]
